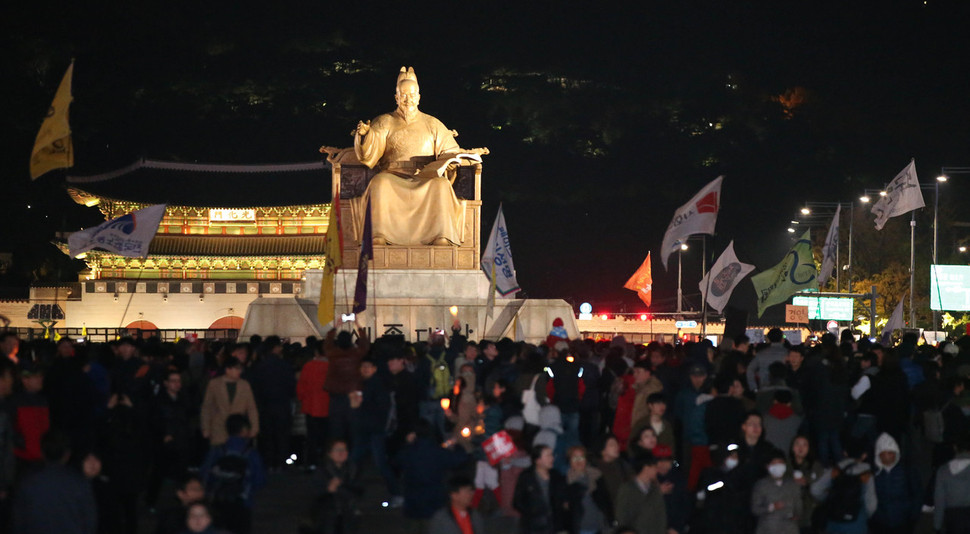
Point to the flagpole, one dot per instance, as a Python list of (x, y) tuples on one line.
[(704, 294), (912, 265)]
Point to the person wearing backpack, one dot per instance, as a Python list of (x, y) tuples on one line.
[(848, 496), (433, 376), (232, 473)]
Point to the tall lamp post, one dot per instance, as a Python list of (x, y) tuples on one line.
[(945, 173), (680, 292), (809, 214)]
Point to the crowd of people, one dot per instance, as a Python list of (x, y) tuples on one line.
[(580, 436)]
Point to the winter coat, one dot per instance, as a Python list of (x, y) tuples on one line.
[(811, 471), (424, 465), (587, 498), (538, 514), (781, 426), (952, 487), (897, 487), (443, 522), (343, 373), (216, 408), (345, 499), (679, 501), (615, 474), (723, 418), (314, 400), (31, 421), (775, 352), (55, 499), (273, 381), (632, 406), (723, 506), (566, 388), (646, 512), (375, 405), (766, 493), (405, 391)]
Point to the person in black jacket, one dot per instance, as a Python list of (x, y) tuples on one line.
[(370, 421), (540, 495), (405, 390), (673, 485), (725, 413), (566, 389), (57, 498), (274, 386), (171, 434), (338, 492)]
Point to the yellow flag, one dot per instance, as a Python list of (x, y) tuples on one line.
[(334, 257), (53, 148)]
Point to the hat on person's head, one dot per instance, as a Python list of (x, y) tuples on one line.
[(697, 370), (663, 452), (516, 422), (557, 334)]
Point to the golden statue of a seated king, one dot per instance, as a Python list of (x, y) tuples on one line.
[(411, 197)]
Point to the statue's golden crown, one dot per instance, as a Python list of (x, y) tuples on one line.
[(407, 74)]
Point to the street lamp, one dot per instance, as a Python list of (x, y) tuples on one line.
[(945, 173), (824, 218), (680, 292)]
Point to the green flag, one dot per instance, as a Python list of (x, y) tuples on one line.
[(796, 272)]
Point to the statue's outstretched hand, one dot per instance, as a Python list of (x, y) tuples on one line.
[(362, 128)]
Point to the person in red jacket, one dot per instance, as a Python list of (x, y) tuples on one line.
[(314, 403), (632, 405), (31, 418)]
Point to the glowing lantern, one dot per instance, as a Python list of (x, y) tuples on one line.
[(445, 403)]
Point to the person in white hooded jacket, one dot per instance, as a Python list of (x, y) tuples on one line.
[(951, 499), (897, 489)]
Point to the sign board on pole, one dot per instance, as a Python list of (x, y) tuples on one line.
[(839, 309), (796, 314)]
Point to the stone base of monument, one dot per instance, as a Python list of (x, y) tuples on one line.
[(293, 318), (414, 303)]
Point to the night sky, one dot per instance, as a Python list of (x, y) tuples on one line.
[(601, 120)]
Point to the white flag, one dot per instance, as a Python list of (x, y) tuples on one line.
[(128, 235), (696, 217), (902, 196), (723, 277), (830, 249), (498, 253), (895, 323)]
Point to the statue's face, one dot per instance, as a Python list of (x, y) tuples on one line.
[(407, 96)]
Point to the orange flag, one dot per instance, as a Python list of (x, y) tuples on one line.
[(642, 282)]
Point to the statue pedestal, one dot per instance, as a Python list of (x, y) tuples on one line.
[(412, 303)]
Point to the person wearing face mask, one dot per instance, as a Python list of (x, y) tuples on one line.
[(776, 500), (722, 508)]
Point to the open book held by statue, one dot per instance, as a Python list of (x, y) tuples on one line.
[(411, 197)]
